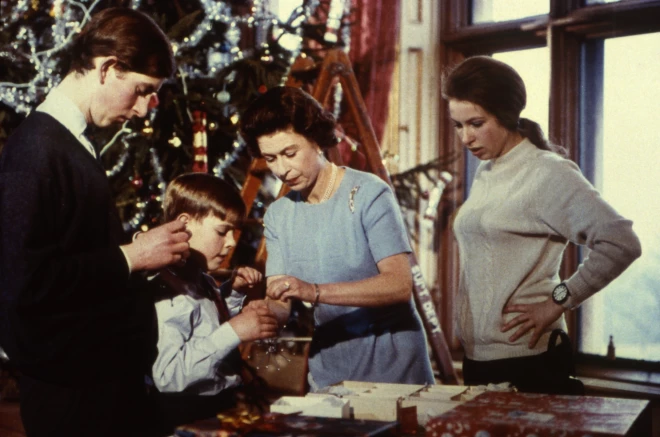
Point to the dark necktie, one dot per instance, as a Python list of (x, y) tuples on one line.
[(220, 304)]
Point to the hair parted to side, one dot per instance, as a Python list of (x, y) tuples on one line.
[(200, 195), (282, 108), (499, 90), (135, 39)]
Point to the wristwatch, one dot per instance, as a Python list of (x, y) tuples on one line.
[(560, 294)]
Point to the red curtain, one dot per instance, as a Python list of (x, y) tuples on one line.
[(374, 39)]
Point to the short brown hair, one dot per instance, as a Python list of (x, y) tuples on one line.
[(201, 195), (135, 39), (282, 108)]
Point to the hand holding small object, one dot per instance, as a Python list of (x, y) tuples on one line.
[(288, 287), (255, 322), (159, 247)]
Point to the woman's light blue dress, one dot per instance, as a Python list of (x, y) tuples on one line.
[(342, 240)]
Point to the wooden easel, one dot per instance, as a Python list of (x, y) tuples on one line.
[(336, 66)]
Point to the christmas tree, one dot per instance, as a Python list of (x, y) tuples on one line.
[(227, 53)]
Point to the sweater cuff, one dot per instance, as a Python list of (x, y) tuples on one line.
[(128, 261), (580, 291)]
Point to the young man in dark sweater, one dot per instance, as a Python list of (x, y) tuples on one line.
[(74, 315)]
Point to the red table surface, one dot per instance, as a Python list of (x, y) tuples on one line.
[(522, 414)]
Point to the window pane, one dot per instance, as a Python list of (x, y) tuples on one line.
[(486, 11), (627, 175), (533, 65)]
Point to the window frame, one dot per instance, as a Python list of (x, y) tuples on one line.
[(574, 33)]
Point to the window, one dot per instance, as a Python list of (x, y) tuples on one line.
[(595, 2), (533, 65), (626, 175), (594, 87), (484, 11)]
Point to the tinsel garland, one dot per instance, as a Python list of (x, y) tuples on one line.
[(68, 17)]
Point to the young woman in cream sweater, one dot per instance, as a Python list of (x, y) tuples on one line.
[(526, 203)]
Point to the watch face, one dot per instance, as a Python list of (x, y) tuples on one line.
[(560, 294)]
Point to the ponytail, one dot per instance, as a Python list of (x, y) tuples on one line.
[(533, 132)]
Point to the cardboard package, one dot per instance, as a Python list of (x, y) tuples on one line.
[(318, 406)]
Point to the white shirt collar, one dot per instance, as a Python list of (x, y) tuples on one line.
[(62, 109)]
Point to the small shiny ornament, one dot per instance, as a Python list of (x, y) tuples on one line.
[(174, 141), (144, 228), (266, 57), (291, 42), (214, 58), (223, 96), (137, 182), (234, 118), (262, 89), (147, 130), (233, 35), (57, 9), (212, 126)]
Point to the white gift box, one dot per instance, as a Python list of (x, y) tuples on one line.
[(319, 406)]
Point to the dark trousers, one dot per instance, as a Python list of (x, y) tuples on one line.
[(119, 407), (534, 374)]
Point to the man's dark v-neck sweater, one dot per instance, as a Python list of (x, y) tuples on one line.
[(70, 313)]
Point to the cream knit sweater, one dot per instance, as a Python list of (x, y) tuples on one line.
[(522, 210)]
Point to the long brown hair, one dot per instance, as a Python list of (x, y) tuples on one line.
[(499, 90)]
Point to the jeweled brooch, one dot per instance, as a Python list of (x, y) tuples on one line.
[(351, 198)]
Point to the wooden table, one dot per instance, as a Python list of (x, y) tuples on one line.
[(496, 413)]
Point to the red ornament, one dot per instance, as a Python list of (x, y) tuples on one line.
[(137, 182), (200, 162), (262, 89)]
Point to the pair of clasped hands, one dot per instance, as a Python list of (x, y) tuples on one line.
[(280, 289), (167, 245), (263, 320)]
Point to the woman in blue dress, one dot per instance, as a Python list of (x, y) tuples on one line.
[(337, 241)]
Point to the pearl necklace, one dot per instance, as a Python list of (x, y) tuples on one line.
[(331, 184)]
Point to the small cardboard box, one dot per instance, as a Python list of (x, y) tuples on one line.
[(371, 400), (388, 402), (318, 406)]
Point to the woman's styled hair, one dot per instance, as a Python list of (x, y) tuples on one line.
[(201, 195), (135, 39), (499, 90), (283, 108)]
